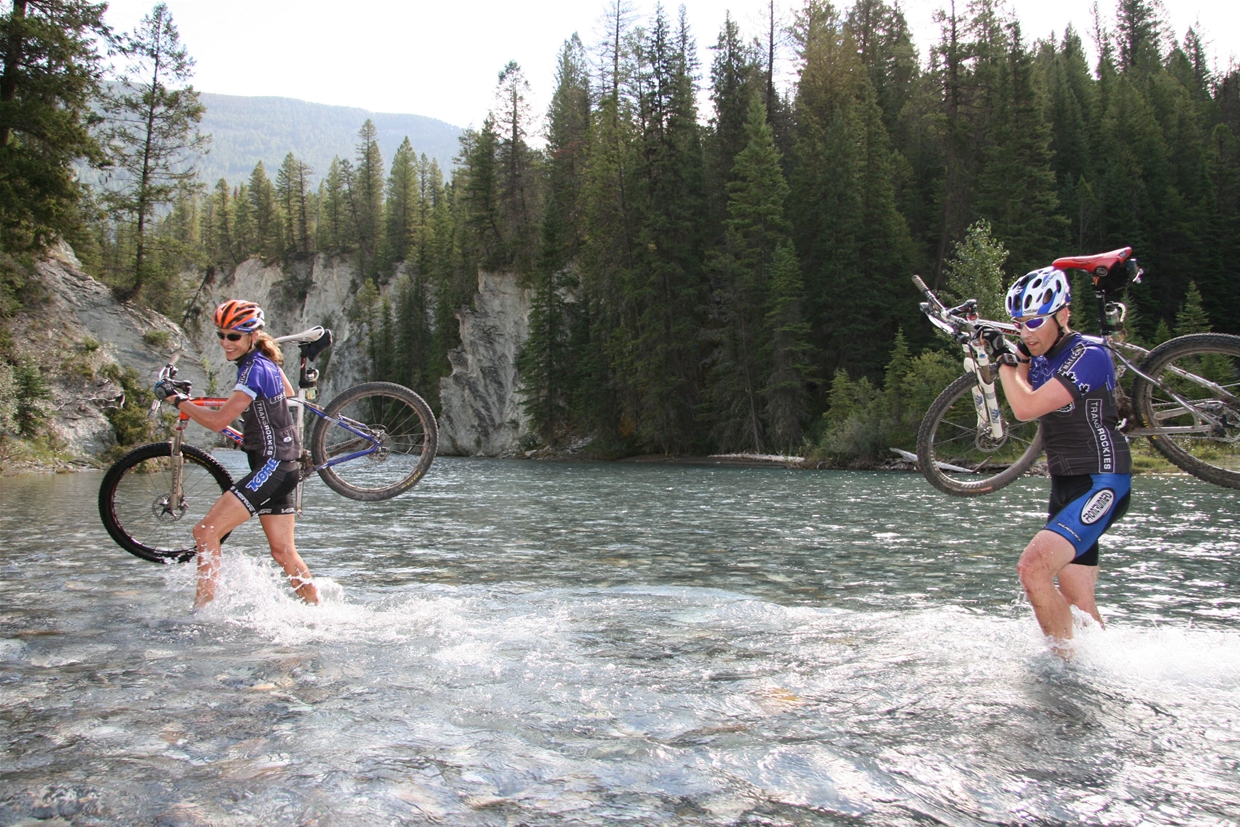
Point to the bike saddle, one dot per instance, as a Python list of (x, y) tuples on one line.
[(305, 337), (1099, 264)]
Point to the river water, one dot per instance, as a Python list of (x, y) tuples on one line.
[(520, 643)]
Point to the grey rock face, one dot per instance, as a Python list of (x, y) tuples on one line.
[(317, 292), (481, 399), (75, 331)]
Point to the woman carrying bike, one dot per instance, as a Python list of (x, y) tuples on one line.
[(1067, 382), (271, 443)]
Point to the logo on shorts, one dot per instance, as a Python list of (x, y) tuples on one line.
[(263, 475), (1097, 506)]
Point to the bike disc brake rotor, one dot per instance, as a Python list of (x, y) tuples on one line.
[(988, 444), (164, 513), (383, 445)]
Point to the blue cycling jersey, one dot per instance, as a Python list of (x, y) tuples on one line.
[(269, 429), (1082, 437)]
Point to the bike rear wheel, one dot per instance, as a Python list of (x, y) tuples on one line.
[(1203, 439), (135, 500), (958, 459), (391, 424)]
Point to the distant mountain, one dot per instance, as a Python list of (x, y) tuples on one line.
[(248, 130)]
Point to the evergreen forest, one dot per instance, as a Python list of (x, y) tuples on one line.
[(735, 276)]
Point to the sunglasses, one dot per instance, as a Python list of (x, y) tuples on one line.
[(232, 337), (1031, 324)]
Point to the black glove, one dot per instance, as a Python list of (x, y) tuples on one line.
[(165, 392), (1025, 355), (996, 343)]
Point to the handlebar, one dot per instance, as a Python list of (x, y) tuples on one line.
[(961, 323)]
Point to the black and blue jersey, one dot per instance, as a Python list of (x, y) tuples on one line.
[(269, 430), (1082, 437)]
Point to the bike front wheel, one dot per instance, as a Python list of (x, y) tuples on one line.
[(958, 458), (377, 440), (1200, 430), (136, 500)]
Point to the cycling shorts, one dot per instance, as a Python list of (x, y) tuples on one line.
[(1083, 506), (269, 487)]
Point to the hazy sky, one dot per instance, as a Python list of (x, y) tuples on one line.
[(442, 59)]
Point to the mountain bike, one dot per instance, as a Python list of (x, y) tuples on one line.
[(1183, 394), (372, 442)]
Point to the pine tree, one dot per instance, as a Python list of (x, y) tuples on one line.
[(517, 168), (734, 79), (657, 346), (1192, 316), (787, 354), (49, 68), (482, 196), (975, 271), (845, 221), (1071, 109), (403, 207), (1017, 190), (756, 229), (293, 196), (245, 236), (336, 219), (265, 213), (366, 199), (545, 361), (151, 131), (886, 48)]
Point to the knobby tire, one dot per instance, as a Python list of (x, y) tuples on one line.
[(949, 434), (1212, 456), (134, 500), (398, 418)]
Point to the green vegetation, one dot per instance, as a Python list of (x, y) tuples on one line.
[(131, 419), (738, 279)]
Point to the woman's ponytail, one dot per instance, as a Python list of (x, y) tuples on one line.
[(269, 347)]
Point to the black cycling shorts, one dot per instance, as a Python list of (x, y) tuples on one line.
[(268, 488)]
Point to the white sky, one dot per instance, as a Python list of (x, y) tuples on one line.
[(442, 59)]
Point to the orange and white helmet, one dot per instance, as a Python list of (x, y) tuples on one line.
[(242, 316)]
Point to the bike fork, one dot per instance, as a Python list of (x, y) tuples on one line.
[(985, 400), (176, 498)]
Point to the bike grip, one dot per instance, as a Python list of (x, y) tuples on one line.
[(921, 285)]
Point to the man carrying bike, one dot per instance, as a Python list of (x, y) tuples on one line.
[(1067, 382), (271, 443)]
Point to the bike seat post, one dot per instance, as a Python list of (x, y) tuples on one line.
[(1104, 324)]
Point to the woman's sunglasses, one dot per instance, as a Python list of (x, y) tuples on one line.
[(1031, 324), (236, 337)]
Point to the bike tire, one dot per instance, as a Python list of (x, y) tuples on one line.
[(134, 495), (949, 435), (398, 418), (1213, 457)]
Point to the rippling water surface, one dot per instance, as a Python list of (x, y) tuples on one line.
[(581, 644)]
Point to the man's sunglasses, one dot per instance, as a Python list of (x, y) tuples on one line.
[(1031, 324), (233, 337)]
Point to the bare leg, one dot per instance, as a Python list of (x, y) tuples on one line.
[(1076, 584), (227, 513), (1046, 554), (279, 530)]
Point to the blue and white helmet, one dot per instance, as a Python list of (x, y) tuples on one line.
[(1039, 293)]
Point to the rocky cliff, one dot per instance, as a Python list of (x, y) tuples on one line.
[(481, 399), (78, 334), (319, 291)]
